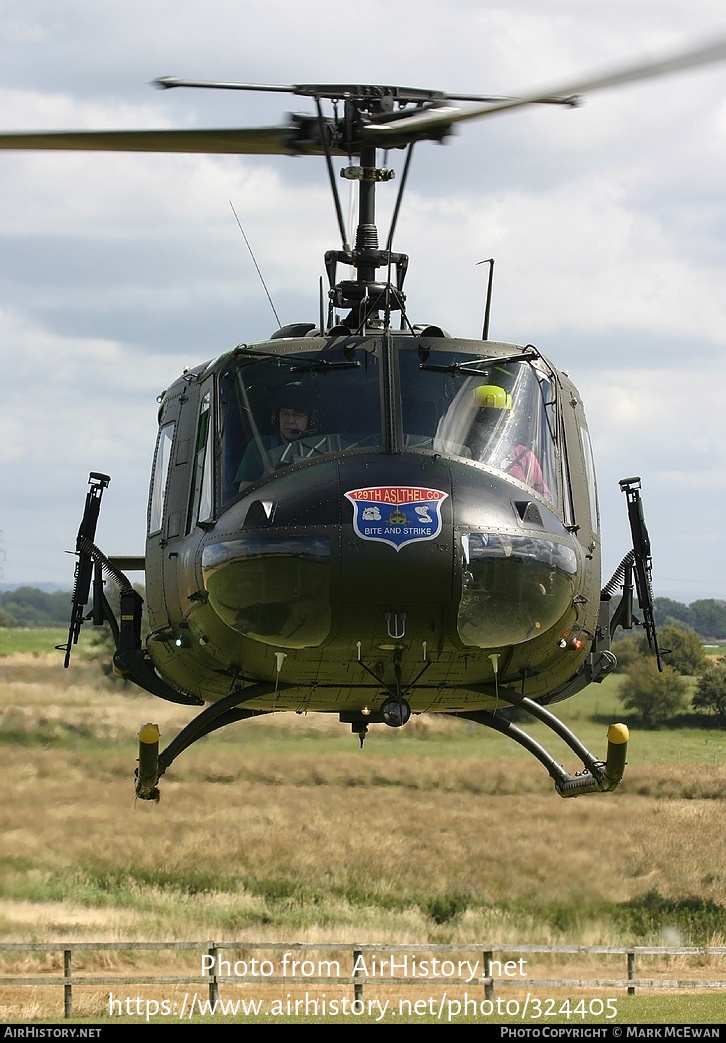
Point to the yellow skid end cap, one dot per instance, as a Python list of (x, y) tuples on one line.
[(149, 734), (618, 733)]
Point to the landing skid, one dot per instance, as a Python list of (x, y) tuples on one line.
[(596, 777)]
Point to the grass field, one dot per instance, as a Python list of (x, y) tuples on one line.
[(282, 829), (30, 641)]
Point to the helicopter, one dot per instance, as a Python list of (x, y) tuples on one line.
[(364, 515)]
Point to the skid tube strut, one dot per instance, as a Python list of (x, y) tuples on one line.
[(227, 710), (596, 777)]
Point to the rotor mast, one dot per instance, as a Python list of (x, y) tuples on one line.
[(366, 296)]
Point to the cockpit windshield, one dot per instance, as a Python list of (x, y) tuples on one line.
[(279, 410), (494, 412)]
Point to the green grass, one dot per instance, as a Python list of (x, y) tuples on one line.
[(43, 641), (32, 641), (285, 899)]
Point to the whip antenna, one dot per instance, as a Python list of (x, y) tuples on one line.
[(254, 261)]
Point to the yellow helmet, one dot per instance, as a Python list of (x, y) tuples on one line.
[(491, 396)]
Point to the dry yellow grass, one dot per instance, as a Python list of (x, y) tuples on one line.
[(275, 838)]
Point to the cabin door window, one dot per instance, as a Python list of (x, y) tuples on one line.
[(159, 480)]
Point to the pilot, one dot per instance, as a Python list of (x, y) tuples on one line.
[(494, 411), (293, 415)]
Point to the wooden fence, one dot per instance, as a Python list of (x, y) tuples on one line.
[(497, 966)]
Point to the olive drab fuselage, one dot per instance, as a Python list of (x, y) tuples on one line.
[(410, 538)]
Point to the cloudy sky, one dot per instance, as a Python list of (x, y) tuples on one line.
[(608, 225)]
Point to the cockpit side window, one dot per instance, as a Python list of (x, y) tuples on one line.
[(568, 509), (162, 460), (200, 504), (590, 475)]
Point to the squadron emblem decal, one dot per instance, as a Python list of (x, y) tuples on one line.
[(396, 514)]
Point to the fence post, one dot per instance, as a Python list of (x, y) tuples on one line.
[(357, 975), (67, 988), (631, 973), (489, 985), (213, 984)]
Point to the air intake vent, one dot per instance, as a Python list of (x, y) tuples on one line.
[(528, 512)]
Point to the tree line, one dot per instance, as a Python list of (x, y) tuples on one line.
[(30, 607), (706, 617), (688, 676)]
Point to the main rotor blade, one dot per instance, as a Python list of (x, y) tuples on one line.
[(246, 141), (434, 121), (303, 135)]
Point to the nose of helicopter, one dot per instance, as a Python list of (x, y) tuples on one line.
[(474, 557), (431, 550)]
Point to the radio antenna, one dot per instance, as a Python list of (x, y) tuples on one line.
[(254, 261), (488, 306)]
